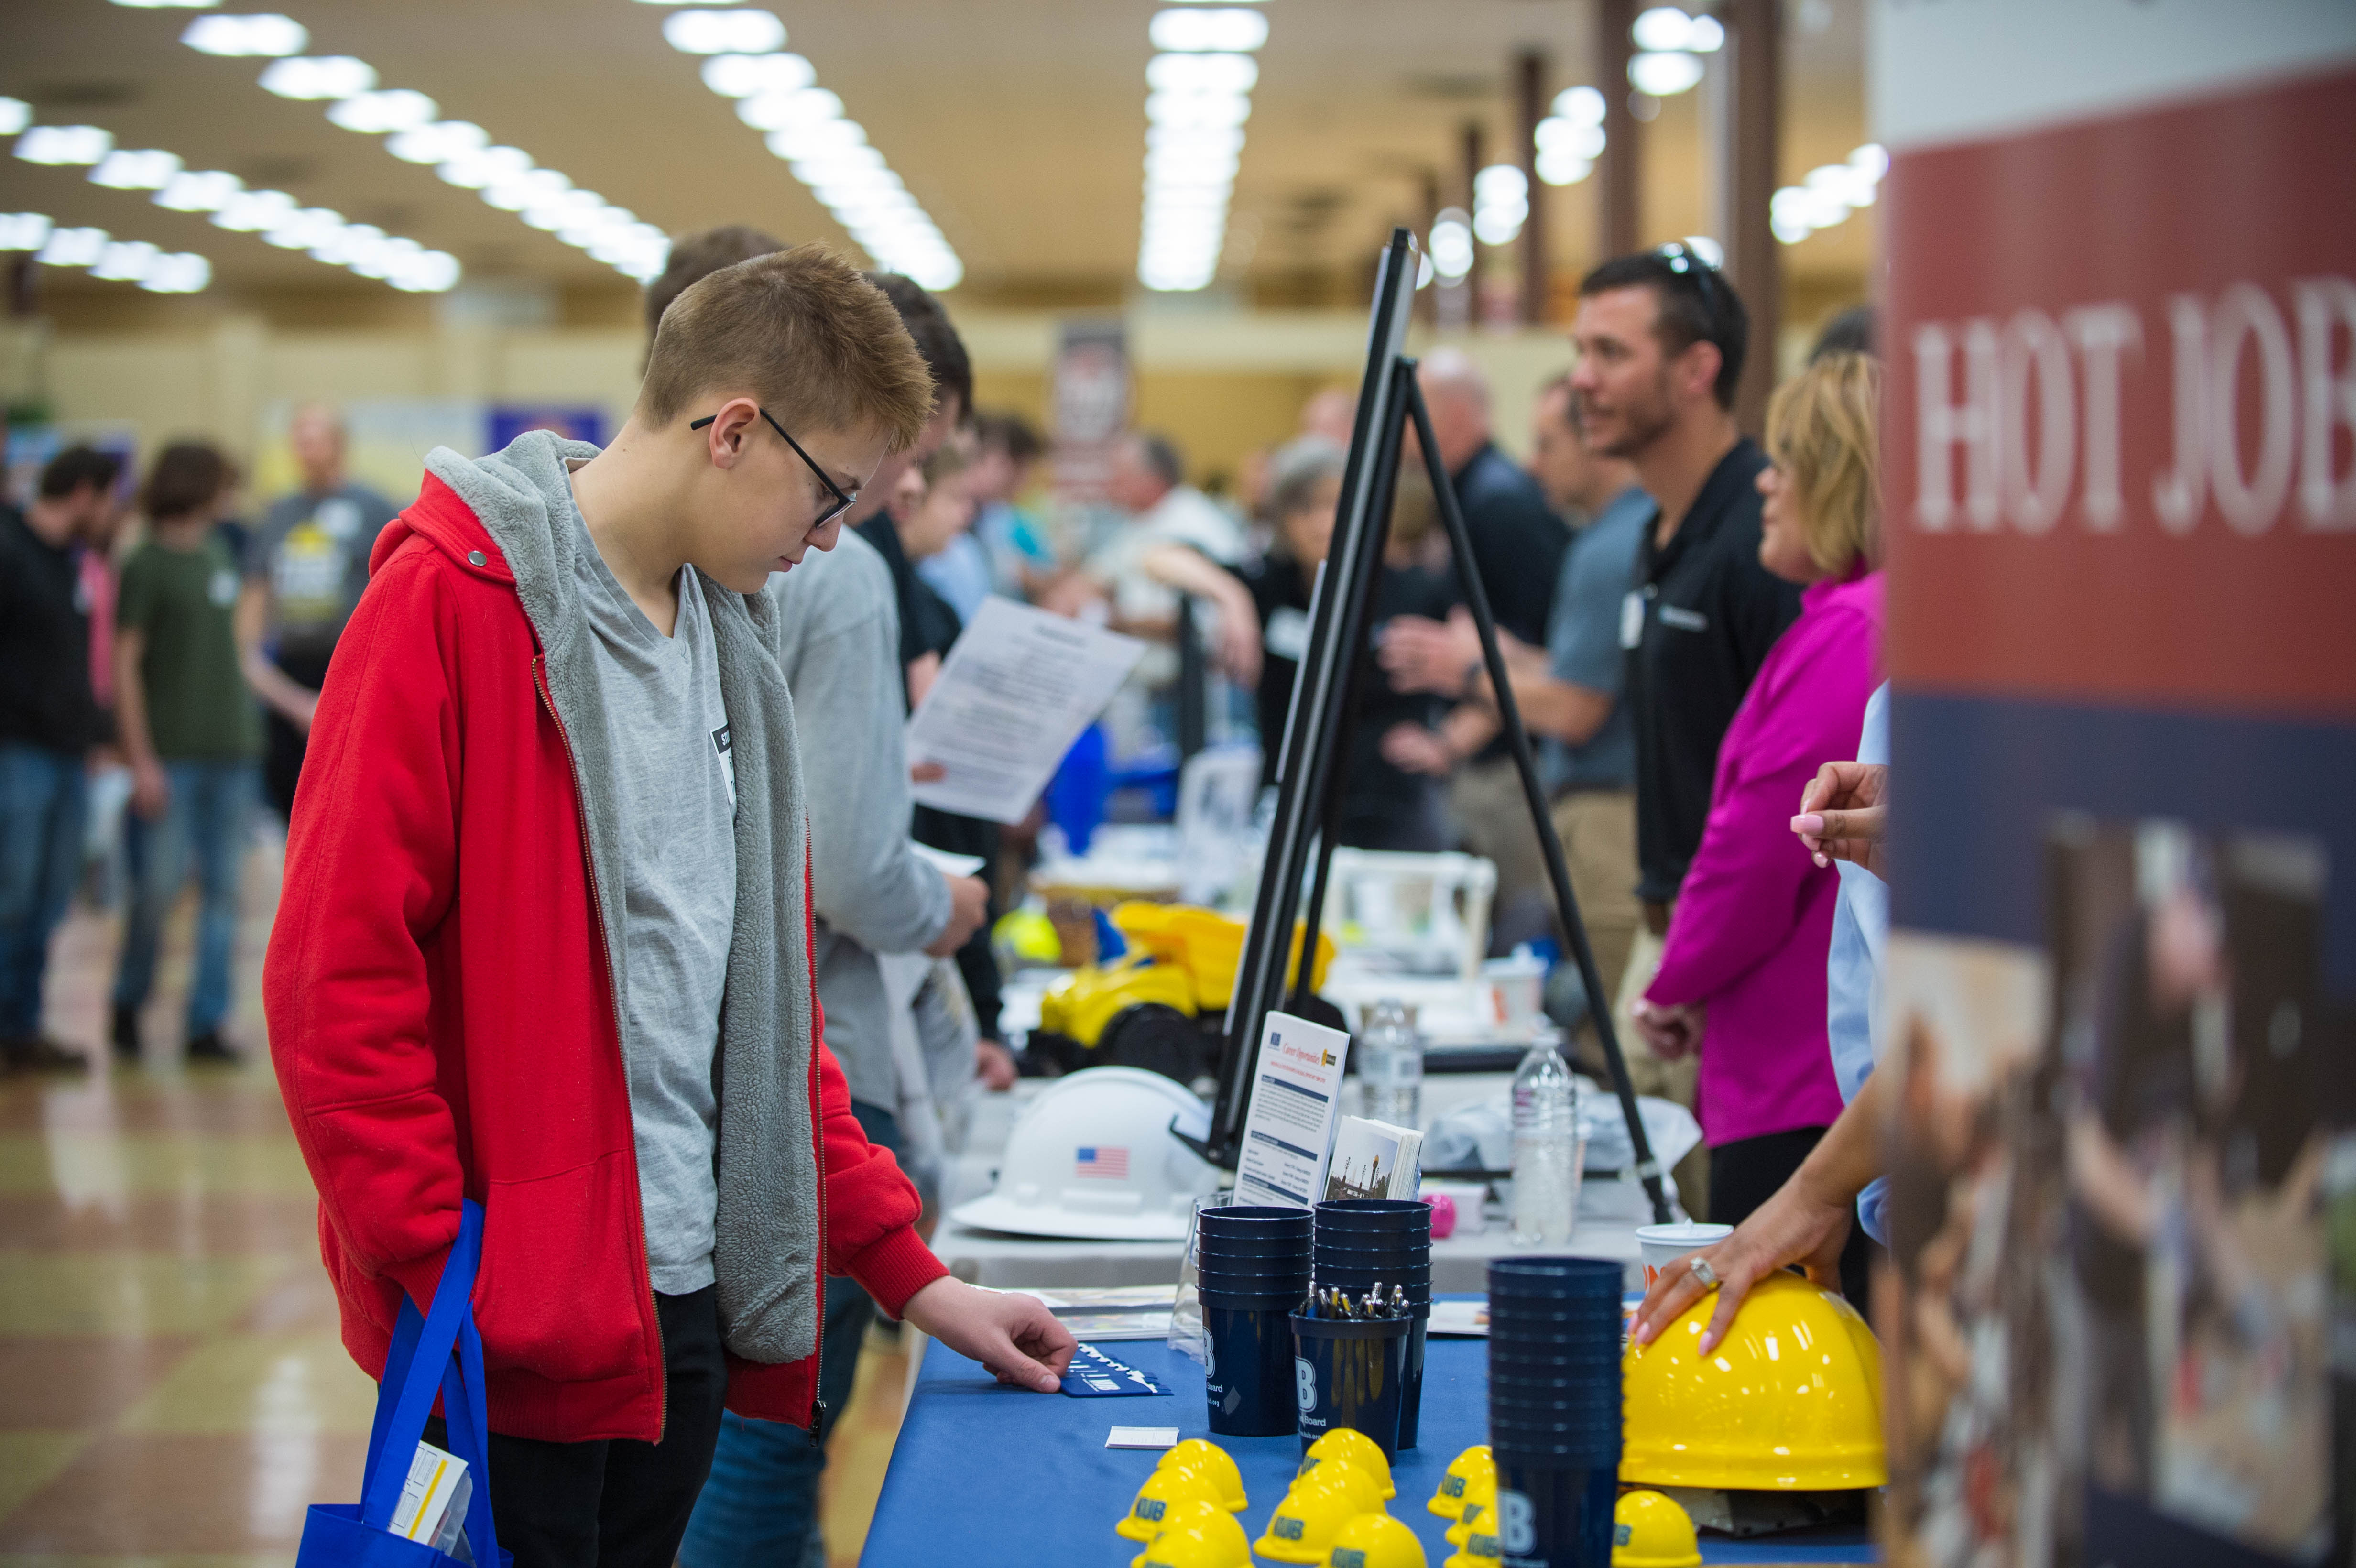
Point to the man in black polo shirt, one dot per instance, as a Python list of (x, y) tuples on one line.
[(1518, 545), (49, 723), (1661, 336)]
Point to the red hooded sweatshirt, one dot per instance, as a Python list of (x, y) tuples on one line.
[(442, 1015)]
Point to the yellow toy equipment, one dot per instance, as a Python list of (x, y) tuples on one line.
[(1375, 1541), (1447, 1502), (1649, 1531), (1196, 1534), (1361, 1451), (1306, 1521), (1789, 1400), (1214, 1466), (1163, 1491), (1158, 1005)]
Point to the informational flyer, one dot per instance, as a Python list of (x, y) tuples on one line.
[(1295, 1101), (1016, 691)]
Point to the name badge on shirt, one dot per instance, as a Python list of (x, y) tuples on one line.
[(1684, 620), (1632, 618), (720, 743)]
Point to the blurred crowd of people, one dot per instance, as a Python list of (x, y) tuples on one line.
[(161, 652)]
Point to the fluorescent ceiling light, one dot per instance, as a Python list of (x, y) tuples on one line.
[(741, 76), (167, 4), (1197, 29), (305, 231), (1201, 73), (126, 261), (1664, 74), (733, 32), (440, 143), (72, 248), (1560, 165), (312, 78), (491, 166), (392, 109), (150, 170), (64, 144), (198, 192), (248, 36), (24, 230), (251, 211), (808, 108), (15, 116), (182, 272), (1580, 105), (1662, 27), (1872, 160)]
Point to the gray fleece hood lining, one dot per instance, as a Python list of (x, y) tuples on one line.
[(766, 1253)]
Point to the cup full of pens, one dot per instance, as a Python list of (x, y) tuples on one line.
[(1363, 1243), (1350, 1362)]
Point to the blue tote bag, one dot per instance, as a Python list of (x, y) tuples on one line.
[(440, 1351)]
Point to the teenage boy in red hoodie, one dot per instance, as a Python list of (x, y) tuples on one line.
[(545, 939)]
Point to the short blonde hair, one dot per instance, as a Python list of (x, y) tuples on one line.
[(1823, 431), (819, 346)]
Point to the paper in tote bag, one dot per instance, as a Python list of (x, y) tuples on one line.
[(440, 1351)]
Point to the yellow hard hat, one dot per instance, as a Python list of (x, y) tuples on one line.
[(1208, 1538), (1363, 1488), (1212, 1463), (1344, 1443), (1163, 1490), (1480, 1497), (1480, 1548), (1308, 1519), (1448, 1500), (1374, 1541), (1789, 1401), (1649, 1531)]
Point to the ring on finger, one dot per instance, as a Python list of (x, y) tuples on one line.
[(1701, 1271)]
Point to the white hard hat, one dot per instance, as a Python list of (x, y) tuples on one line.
[(1092, 1158)]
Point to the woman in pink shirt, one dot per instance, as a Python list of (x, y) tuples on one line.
[(1742, 972)]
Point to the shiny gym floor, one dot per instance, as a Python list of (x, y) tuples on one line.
[(172, 1390)]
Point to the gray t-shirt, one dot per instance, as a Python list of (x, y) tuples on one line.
[(676, 785), (1583, 642), (313, 550)]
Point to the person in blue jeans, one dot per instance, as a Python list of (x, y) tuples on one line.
[(49, 720), (192, 733)]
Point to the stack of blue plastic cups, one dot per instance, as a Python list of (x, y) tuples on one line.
[(1254, 1273), (1555, 1407), (1363, 1243)]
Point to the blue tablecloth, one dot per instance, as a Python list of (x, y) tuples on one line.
[(985, 1476)]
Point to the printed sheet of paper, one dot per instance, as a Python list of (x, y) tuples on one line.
[(1289, 1132), (1013, 695)]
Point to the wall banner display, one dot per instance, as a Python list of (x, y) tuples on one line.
[(2120, 506)]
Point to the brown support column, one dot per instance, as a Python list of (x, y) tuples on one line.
[(1617, 172), (1474, 137), (1427, 301), (1748, 156), (1530, 79)]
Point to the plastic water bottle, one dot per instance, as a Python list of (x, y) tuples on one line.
[(1545, 1147), (1390, 1065)]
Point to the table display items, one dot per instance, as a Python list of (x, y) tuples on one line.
[(1342, 1483), (1555, 1408), (1253, 1273), (1448, 1500), (1390, 1064), (1365, 1244), (1377, 1541), (1545, 1147), (1649, 1531), (1215, 1466)]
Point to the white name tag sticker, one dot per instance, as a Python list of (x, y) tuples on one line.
[(1632, 619), (1684, 620)]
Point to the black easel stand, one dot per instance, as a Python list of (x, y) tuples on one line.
[(1317, 731)]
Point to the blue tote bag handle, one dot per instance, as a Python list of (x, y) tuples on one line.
[(440, 1351)]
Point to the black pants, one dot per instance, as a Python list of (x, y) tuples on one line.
[(617, 1504), (1745, 1173)]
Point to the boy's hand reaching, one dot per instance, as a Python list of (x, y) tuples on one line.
[(1015, 1337)]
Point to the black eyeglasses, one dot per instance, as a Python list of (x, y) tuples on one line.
[(842, 502)]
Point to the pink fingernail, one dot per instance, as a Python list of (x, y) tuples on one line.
[(1808, 822)]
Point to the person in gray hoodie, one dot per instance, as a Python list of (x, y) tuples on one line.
[(840, 652), (546, 944)]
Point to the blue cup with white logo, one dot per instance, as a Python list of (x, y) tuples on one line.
[(1554, 1513), (1248, 1376), (1353, 1372)]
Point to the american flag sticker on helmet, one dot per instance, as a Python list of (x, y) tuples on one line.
[(1104, 1163)]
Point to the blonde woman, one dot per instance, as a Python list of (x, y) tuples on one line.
[(1743, 970)]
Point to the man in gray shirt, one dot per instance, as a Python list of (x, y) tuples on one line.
[(306, 561)]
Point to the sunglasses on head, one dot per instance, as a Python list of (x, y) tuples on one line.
[(1687, 262), (843, 500)]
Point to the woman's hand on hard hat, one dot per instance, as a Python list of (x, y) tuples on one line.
[(1805, 1222), (1015, 1337), (1795, 1226)]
